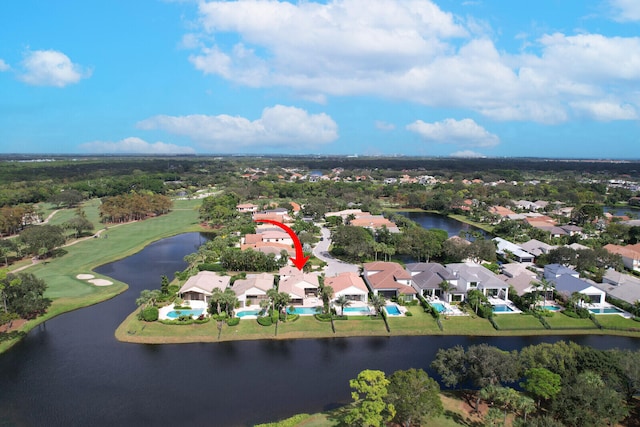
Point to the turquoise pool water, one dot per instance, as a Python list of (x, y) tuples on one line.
[(357, 310), (438, 306), (502, 308), (305, 310), (551, 307), (244, 313), (392, 310), (174, 314), (607, 310)]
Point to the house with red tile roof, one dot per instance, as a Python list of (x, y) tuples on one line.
[(388, 279), (348, 284), (630, 254)]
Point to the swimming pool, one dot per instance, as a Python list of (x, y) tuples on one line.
[(551, 307), (438, 306), (174, 314), (305, 311), (606, 310), (392, 310), (244, 313), (502, 308), (362, 311)]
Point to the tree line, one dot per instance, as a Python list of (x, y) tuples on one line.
[(566, 384), (133, 207)]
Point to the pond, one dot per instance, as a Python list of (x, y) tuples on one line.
[(451, 226), (72, 371)]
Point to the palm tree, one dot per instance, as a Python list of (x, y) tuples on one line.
[(343, 302), (446, 287), (229, 299), (636, 306), (546, 285), (377, 301), (326, 294), (216, 300), (525, 405)]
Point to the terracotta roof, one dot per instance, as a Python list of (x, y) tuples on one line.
[(346, 280), (629, 251), (384, 275), (251, 239)]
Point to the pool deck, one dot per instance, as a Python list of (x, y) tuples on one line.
[(195, 305), (355, 304), (508, 303), (449, 309)]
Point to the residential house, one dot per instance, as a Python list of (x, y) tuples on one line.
[(630, 254), (348, 284), (519, 277), (201, 286), (388, 279), (621, 285), (508, 250), (567, 281), (247, 207), (300, 287), (475, 276), (536, 247), (253, 289), (427, 277)]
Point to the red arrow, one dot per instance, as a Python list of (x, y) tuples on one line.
[(300, 260)]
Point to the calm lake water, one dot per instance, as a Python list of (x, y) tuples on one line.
[(429, 220), (72, 371)]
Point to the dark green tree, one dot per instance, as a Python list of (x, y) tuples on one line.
[(415, 397), (369, 407)]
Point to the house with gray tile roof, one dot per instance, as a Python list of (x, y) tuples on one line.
[(475, 276), (621, 285), (567, 281), (426, 278)]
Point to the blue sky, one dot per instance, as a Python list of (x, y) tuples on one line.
[(547, 78)]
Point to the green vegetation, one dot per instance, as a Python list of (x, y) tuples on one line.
[(69, 293)]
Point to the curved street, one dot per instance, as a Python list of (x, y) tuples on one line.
[(334, 266)]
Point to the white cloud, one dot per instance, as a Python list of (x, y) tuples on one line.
[(626, 10), (465, 132), (468, 154), (382, 125), (606, 110), (414, 51), (51, 68), (4, 66), (133, 145), (278, 126)]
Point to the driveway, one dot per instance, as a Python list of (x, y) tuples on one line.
[(334, 266)]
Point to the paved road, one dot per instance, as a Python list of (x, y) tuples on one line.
[(334, 266)]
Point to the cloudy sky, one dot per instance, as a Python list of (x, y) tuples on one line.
[(544, 78)]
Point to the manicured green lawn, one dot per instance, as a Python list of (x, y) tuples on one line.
[(419, 323), (561, 321), (614, 321), (517, 322), (467, 325), (60, 273)]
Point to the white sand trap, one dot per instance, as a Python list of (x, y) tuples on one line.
[(101, 282), (85, 276)]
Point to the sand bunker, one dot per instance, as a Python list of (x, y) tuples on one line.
[(85, 276), (100, 282)]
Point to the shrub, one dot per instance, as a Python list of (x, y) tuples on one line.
[(233, 321), (292, 317), (211, 267), (265, 321), (322, 317), (408, 313), (150, 314)]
